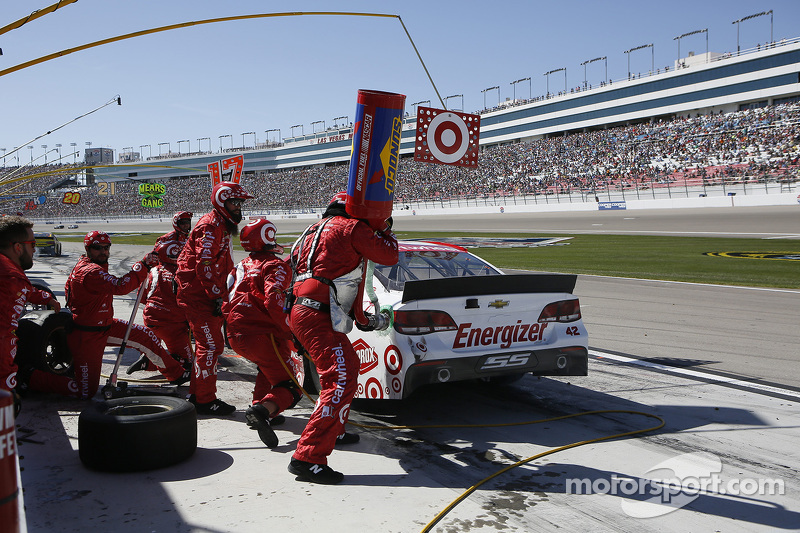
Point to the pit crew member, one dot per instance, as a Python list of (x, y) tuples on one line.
[(258, 328), (327, 260), (90, 291), (203, 267)]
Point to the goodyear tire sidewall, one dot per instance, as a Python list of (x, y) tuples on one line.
[(137, 433)]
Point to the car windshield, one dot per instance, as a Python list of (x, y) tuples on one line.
[(431, 264)]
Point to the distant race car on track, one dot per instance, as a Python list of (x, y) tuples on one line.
[(47, 244), (457, 318)]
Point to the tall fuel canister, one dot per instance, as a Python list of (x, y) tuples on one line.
[(376, 153)]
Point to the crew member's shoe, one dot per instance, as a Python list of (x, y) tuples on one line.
[(314, 473), (185, 363), (141, 364), (216, 407), (276, 420), (258, 417), (184, 378), (347, 438)]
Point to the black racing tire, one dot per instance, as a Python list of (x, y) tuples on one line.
[(35, 307), (311, 378), (137, 433), (42, 341)]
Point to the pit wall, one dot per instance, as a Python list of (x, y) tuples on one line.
[(749, 200)]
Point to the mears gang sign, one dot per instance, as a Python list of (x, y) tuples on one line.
[(152, 193)]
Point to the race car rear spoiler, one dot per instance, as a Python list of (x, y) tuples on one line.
[(481, 285)]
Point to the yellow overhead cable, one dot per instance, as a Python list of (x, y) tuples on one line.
[(35, 15), (211, 21)]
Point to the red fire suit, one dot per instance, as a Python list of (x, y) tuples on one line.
[(163, 316), (161, 312), (90, 291), (257, 325), (343, 244), (15, 292), (203, 267)]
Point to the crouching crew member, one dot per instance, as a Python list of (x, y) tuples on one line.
[(90, 291), (258, 328), (327, 260)]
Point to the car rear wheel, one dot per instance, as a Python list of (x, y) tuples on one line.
[(137, 433)]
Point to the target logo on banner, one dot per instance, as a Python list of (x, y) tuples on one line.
[(447, 137), (373, 389)]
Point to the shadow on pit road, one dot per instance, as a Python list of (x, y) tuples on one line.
[(233, 483)]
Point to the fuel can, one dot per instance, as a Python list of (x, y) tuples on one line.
[(375, 156)]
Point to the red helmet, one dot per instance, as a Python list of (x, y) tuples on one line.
[(339, 198), (259, 234), (168, 252), (225, 190), (180, 215), (96, 237)]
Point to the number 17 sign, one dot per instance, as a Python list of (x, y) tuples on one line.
[(229, 169)]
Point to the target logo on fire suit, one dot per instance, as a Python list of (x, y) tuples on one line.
[(447, 137)]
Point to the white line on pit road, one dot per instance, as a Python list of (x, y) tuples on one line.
[(696, 374)]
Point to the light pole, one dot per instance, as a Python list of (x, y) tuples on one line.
[(547, 78), (274, 129), (169, 148), (44, 147), (455, 96), (149, 150), (514, 85), (254, 138), (317, 122), (58, 148), (4, 157), (491, 89), (585, 85), (199, 148), (752, 17), (679, 37), (184, 141), (220, 141), (337, 119), (74, 152), (416, 105), (652, 56), (298, 126), (31, 152)]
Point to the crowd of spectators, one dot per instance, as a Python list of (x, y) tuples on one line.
[(754, 144)]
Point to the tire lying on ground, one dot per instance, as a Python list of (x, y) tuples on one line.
[(42, 341), (137, 433)]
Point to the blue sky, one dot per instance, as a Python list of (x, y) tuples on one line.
[(256, 75)]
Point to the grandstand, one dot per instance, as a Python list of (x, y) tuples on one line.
[(711, 124)]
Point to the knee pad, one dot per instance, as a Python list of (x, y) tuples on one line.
[(291, 387)]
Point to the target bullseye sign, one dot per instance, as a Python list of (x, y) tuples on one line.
[(447, 137)]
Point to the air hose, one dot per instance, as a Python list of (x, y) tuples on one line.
[(474, 487)]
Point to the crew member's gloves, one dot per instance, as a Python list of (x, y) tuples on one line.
[(54, 305), (150, 260), (217, 307)]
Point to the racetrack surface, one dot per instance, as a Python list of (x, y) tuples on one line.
[(754, 222), (716, 363)]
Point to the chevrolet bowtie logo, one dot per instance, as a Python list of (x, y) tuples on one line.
[(497, 304)]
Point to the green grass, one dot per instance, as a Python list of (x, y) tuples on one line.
[(648, 257)]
